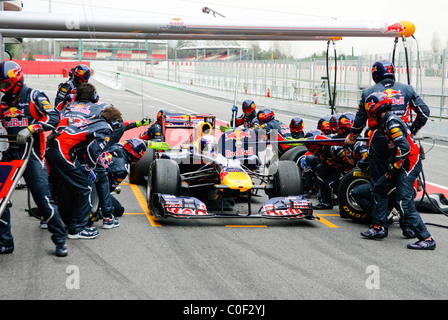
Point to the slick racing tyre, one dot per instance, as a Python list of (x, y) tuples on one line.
[(348, 207), (294, 154), (139, 170), (164, 178), (286, 179)]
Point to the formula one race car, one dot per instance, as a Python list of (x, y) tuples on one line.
[(207, 169)]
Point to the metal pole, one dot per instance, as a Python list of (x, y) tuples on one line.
[(2, 44), (442, 91)]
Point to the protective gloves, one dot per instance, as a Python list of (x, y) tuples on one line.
[(234, 108), (295, 144), (393, 170), (143, 122), (225, 128), (363, 164), (158, 145), (90, 173), (23, 135)]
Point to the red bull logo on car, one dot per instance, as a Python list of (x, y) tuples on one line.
[(237, 135), (239, 152)]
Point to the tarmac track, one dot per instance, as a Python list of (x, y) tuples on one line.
[(219, 259)]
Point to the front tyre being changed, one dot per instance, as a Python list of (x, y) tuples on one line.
[(348, 206)]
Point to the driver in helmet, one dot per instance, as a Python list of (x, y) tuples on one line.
[(208, 145)]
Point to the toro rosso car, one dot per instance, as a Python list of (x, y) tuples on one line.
[(206, 170)]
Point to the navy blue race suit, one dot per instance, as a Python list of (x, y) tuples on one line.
[(403, 166), (112, 169), (277, 131), (404, 99), (247, 120), (335, 161), (153, 133), (32, 109), (72, 152), (64, 90)]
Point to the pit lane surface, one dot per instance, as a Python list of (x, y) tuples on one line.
[(222, 259)]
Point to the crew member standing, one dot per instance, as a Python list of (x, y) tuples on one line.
[(403, 100), (26, 112), (404, 165), (80, 74)]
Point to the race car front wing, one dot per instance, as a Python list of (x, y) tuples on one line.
[(292, 207)]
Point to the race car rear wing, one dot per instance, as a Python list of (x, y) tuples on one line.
[(11, 172)]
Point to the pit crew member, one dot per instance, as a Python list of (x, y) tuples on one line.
[(249, 117), (113, 168), (403, 167), (81, 74), (72, 155), (26, 112)]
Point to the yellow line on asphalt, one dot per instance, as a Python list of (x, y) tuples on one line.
[(326, 222), (142, 201)]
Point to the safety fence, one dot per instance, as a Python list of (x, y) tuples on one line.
[(303, 81)]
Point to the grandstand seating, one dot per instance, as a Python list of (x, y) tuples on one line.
[(69, 53)]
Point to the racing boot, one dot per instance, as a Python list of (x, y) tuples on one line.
[(323, 206), (6, 249), (375, 232), (110, 222), (408, 233), (61, 250), (427, 244)]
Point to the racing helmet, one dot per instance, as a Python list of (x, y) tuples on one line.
[(383, 69), (11, 78), (136, 148), (248, 107), (334, 122), (324, 124), (312, 133), (208, 145), (160, 115), (296, 125), (81, 73), (265, 115), (345, 123), (315, 148), (375, 104)]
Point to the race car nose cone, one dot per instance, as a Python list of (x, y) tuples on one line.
[(238, 180)]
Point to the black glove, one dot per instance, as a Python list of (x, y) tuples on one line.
[(363, 164), (393, 170)]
